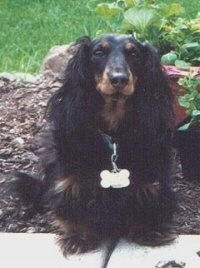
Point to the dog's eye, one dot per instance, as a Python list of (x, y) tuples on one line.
[(99, 53), (132, 52)]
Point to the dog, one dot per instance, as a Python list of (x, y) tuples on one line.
[(105, 159)]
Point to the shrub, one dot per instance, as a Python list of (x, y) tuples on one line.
[(160, 24)]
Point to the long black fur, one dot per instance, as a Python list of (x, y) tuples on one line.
[(73, 147)]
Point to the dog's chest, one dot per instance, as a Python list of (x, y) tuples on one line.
[(112, 113)]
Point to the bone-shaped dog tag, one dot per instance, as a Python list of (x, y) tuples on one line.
[(105, 178), (115, 179)]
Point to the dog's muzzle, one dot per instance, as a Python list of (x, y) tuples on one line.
[(119, 80)]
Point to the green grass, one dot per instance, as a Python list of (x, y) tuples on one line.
[(30, 28)]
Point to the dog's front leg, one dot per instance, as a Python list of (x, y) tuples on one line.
[(155, 204), (69, 203)]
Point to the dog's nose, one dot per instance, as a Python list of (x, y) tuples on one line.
[(119, 79)]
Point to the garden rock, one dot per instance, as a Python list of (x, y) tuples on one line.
[(55, 63)]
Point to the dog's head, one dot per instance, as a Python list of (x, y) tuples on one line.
[(120, 71), (114, 60), (112, 63)]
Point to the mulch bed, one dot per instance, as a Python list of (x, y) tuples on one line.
[(22, 106)]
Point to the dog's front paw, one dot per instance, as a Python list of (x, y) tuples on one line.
[(158, 238), (154, 237), (77, 243)]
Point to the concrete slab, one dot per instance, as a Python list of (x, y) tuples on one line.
[(184, 249), (40, 250)]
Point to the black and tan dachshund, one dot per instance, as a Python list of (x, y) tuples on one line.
[(105, 159)]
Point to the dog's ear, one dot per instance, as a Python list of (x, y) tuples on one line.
[(154, 96), (152, 79), (78, 65), (71, 107), (154, 75)]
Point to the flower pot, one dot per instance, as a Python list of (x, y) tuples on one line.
[(174, 74), (179, 112), (188, 144)]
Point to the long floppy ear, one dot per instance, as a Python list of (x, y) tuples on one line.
[(154, 97), (77, 68), (70, 108)]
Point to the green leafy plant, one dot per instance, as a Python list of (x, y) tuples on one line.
[(183, 36), (176, 38), (190, 99)]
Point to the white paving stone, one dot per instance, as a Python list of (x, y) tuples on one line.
[(40, 250)]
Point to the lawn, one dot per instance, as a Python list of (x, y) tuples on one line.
[(30, 28)]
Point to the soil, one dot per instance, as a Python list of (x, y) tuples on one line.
[(22, 106)]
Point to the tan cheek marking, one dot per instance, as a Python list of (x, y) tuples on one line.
[(103, 83), (130, 87)]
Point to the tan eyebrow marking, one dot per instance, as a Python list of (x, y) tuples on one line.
[(129, 46), (105, 44)]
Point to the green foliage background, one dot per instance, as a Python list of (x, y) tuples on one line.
[(28, 29)]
